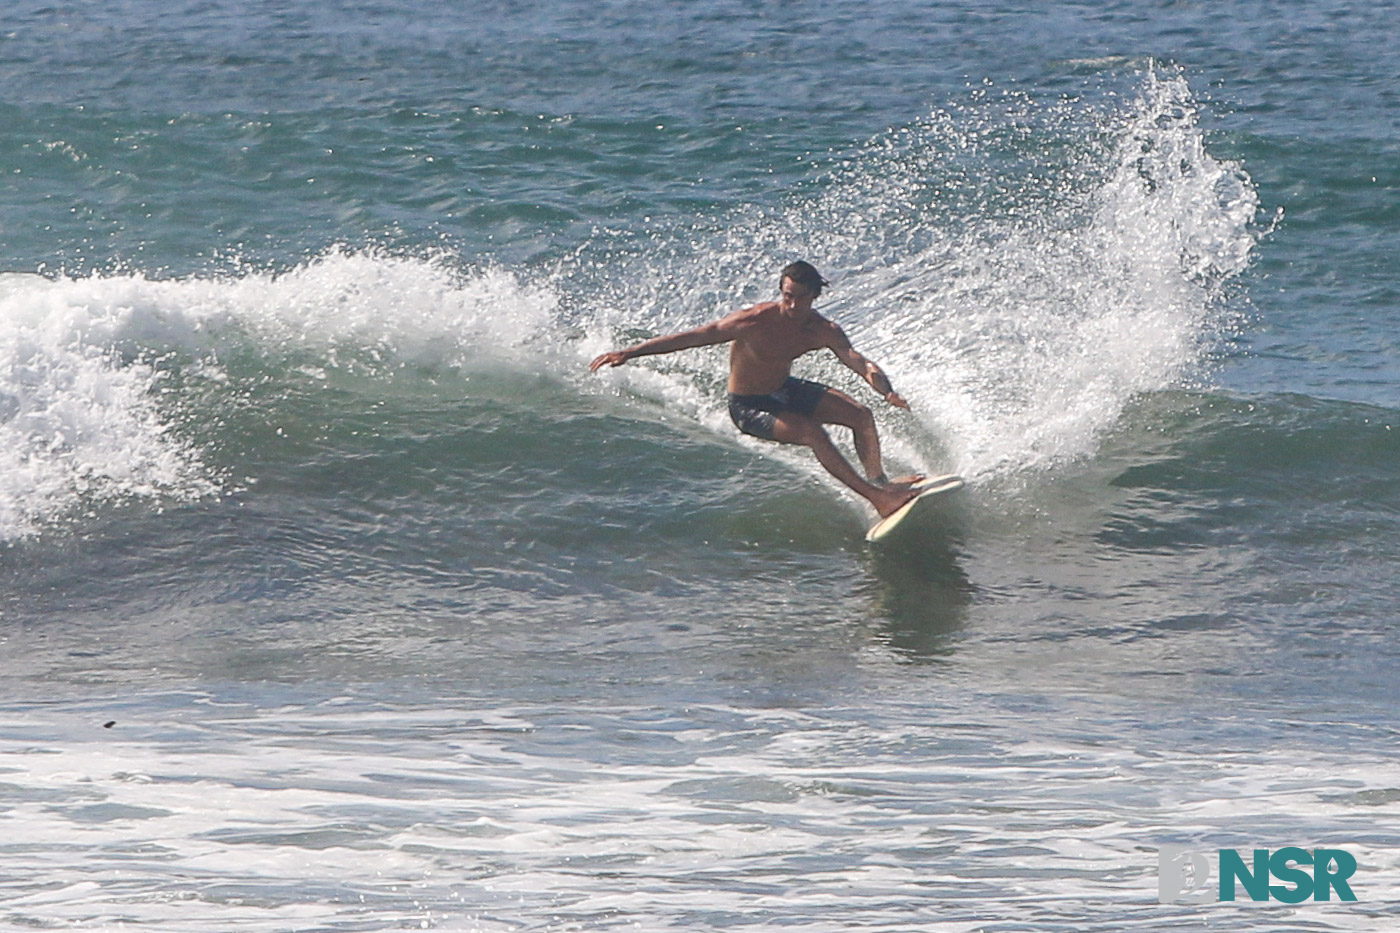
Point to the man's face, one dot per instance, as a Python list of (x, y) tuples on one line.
[(795, 297)]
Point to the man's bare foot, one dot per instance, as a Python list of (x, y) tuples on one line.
[(883, 480), (888, 498)]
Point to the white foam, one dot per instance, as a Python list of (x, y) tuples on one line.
[(83, 361), (317, 816), (76, 422), (398, 310)]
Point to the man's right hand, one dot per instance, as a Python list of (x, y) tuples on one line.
[(897, 400)]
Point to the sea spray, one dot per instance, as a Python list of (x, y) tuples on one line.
[(1022, 269), (1022, 336)]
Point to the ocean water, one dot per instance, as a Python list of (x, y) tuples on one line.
[(336, 594)]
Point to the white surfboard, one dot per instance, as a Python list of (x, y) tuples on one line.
[(929, 489)]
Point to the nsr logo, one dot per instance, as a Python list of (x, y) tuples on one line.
[(1183, 877)]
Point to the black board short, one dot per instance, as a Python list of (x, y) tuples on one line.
[(754, 414)]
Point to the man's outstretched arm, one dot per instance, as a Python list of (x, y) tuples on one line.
[(721, 331)]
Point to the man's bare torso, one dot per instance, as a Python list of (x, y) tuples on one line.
[(768, 341)]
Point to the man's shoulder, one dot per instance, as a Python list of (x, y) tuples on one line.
[(832, 330), (754, 314)]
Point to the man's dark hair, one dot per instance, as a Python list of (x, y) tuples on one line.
[(806, 275)]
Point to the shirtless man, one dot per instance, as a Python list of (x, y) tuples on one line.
[(767, 402)]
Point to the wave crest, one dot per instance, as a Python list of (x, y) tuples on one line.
[(86, 413)]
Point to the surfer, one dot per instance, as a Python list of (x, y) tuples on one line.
[(767, 402)]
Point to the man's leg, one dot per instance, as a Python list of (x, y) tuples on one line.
[(837, 407), (792, 428)]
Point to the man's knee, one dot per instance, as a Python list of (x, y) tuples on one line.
[(858, 418), (851, 414)]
